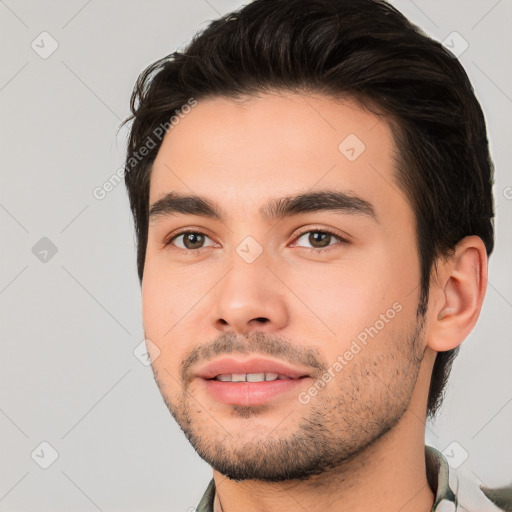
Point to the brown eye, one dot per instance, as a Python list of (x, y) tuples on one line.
[(190, 240), (320, 239)]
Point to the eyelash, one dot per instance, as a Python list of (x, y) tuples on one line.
[(342, 240)]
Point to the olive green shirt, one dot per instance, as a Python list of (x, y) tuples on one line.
[(452, 492)]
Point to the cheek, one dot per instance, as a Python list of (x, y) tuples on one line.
[(343, 300), (167, 293), (171, 302), (155, 307), (343, 297), (158, 320), (159, 310)]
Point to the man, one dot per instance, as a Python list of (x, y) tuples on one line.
[(311, 188)]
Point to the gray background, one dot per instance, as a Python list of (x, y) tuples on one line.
[(71, 320)]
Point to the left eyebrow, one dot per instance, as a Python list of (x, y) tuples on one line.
[(328, 200), (175, 203)]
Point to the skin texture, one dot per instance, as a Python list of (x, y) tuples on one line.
[(358, 443)]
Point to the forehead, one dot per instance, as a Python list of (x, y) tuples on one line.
[(276, 144)]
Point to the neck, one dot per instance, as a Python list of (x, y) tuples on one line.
[(389, 475)]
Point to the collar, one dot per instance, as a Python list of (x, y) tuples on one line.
[(438, 475)]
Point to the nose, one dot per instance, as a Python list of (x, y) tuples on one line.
[(250, 297)]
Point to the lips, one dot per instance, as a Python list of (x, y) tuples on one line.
[(228, 366), (252, 382)]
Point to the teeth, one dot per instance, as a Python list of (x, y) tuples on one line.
[(250, 377), (255, 377)]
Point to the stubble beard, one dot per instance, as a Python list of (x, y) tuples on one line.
[(357, 408)]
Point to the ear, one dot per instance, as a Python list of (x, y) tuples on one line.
[(457, 294)]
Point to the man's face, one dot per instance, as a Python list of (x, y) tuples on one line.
[(250, 295)]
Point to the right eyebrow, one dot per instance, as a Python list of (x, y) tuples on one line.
[(175, 203)]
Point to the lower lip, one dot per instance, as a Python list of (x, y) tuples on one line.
[(251, 393)]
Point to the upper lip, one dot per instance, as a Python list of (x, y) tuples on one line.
[(230, 365)]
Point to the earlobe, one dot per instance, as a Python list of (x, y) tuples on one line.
[(458, 294)]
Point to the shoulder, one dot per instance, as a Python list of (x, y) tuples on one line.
[(455, 491), (474, 497)]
